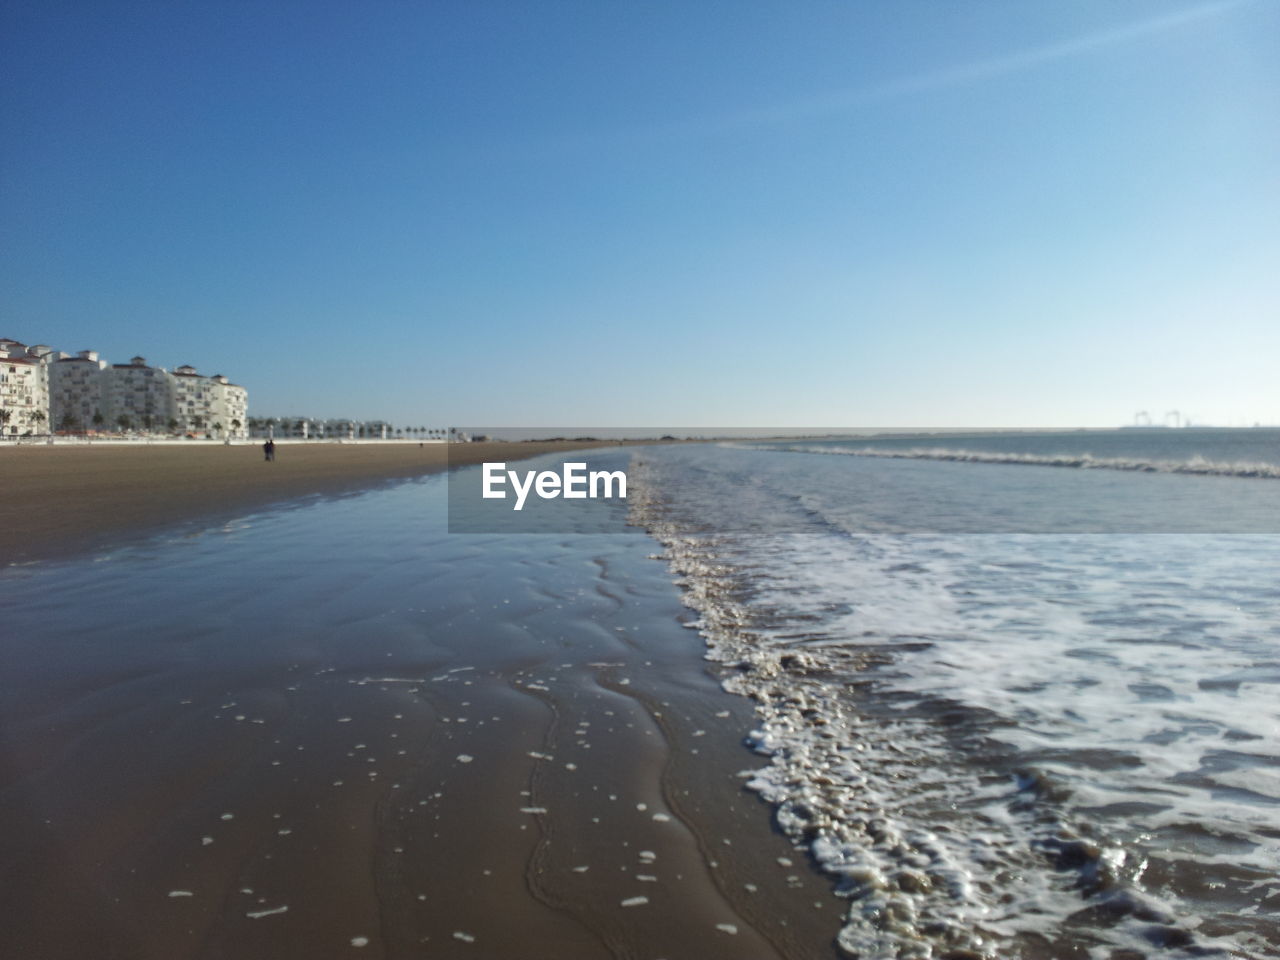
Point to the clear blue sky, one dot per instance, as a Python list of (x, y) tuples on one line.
[(901, 213)]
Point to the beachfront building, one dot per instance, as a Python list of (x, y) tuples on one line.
[(51, 391), (340, 429), (211, 405), (138, 396), (75, 392), (230, 407), (24, 402), (24, 388), (192, 400), (308, 428)]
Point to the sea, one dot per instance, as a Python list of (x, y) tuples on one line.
[(953, 696), (1016, 694)]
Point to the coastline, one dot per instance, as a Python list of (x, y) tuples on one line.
[(64, 499), (313, 736)]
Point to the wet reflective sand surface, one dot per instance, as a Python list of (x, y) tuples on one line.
[(337, 731)]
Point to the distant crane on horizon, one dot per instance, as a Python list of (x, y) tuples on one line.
[(1177, 417)]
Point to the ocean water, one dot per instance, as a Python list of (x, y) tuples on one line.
[(1011, 709)]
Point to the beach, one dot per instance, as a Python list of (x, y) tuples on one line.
[(790, 700), (326, 727), (63, 498)]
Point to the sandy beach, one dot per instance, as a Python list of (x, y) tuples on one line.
[(341, 731), (65, 498)]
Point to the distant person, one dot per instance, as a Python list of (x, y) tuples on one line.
[(269, 451)]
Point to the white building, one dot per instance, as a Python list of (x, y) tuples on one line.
[(49, 390), (230, 407), (75, 392), (138, 397), (24, 388), (308, 428), (24, 405)]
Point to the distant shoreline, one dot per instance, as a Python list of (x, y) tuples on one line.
[(66, 498)]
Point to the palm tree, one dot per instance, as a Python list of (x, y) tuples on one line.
[(124, 421), (68, 422), (235, 425), (39, 417), (5, 415), (98, 419), (148, 421), (217, 427), (197, 422), (173, 425)]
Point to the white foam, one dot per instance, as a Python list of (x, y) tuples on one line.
[(1196, 465), (1099, 645), (259, 914)]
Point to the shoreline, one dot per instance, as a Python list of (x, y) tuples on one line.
[(61, 500), (353, 729)]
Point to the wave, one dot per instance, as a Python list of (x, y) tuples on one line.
[(945, 838), (1197, 466)]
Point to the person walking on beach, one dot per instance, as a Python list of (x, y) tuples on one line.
[(269, 451)]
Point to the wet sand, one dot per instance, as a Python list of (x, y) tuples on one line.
[(337, 731), (62, 499)]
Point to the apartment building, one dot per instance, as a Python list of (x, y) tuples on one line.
[(48, 390), (75, 392), (24, 402)]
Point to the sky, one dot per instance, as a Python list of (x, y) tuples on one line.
[(900, 213)]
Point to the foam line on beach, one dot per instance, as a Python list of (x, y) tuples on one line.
[(848, 787), (1195, 466)]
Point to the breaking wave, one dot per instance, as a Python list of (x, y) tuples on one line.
[(1040, 816), (1197, 466)]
